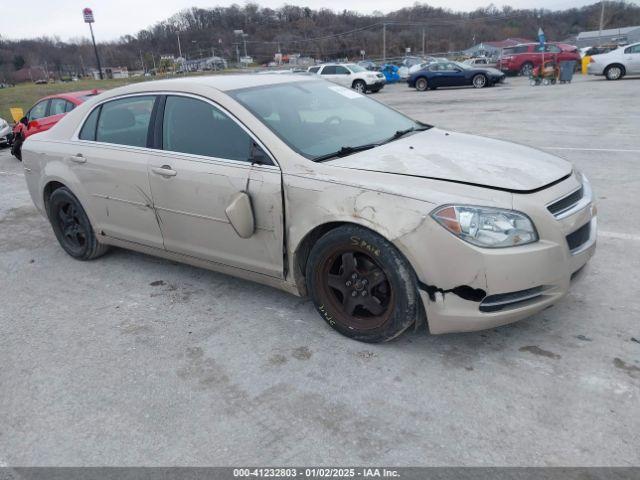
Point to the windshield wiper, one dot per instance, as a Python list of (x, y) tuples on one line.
[(346, 151), (402, 133)]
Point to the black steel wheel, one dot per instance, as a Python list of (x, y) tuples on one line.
[(72, 226), (361, 285)]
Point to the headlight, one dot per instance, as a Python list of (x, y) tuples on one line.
[(3, 123), (486, 226)]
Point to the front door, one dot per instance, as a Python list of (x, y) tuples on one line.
[(204, 162), (110, 161)]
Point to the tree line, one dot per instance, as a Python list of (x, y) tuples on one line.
[(323, 34)]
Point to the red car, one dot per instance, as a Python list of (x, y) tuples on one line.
[(522, 59), (45, 114)]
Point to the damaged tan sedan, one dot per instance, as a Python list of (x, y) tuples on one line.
[(310, 187)]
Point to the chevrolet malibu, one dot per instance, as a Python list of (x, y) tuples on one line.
[(310, 187)]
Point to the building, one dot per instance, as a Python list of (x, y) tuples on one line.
[(201, 64), (623, 36), (110, 72), (493, 49)]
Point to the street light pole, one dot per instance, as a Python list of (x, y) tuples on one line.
[(384, 43)]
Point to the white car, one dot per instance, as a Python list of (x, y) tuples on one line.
[(5, 131), (617, 63), (350, 75)]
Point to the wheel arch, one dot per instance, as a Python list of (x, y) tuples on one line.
[(48, 189)]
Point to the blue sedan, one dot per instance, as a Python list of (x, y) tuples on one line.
[(453, 74)]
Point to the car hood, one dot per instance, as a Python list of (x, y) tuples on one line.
[(462, 158)]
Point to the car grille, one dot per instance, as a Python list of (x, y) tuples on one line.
[(566, 203), (578, 238)]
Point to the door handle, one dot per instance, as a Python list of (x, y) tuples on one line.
[(165, 171), (78, 158)]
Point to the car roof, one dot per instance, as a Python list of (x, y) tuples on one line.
[(219, 82)]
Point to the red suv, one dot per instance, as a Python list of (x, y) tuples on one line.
[(522, 59), (45, 114)]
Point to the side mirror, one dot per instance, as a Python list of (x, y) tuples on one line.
[(240, 214), (257, 156), (24, 121)]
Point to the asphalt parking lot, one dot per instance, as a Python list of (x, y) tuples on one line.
[(133, 360)]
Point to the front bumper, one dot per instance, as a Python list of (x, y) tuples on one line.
[(377, 84), (517, 282)]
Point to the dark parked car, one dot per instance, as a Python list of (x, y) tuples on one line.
[(453, 74)]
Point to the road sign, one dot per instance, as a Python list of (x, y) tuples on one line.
[(87, 13)]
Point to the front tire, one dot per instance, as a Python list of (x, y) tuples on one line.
[(422, 84), (362, 285), (360, 86), (479, 81), (72, 226)]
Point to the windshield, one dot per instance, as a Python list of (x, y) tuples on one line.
[(356, 68), (316, 118)]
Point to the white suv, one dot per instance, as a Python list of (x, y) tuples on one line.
[(350, 75), (617, 63)]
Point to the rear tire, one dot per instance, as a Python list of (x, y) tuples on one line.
[(422, 84), (614, 72), (72, 226), (362, 285), (526, 69)]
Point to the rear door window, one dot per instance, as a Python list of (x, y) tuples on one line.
[(58, 106), (329, 70), (125, 121)]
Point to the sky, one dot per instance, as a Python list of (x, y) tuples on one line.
[(114, 18)]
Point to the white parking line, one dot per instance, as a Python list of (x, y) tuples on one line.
[(593, 149), (12, 174), (619, 235)]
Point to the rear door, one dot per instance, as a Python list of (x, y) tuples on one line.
[(202, 162), (110, 160)]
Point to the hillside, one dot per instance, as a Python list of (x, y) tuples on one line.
[(321, 33)]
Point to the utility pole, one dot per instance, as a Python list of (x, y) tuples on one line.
[(423, 40), (601, 22), (88, 18), (384, 42), (179, 47), (141, 61)]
